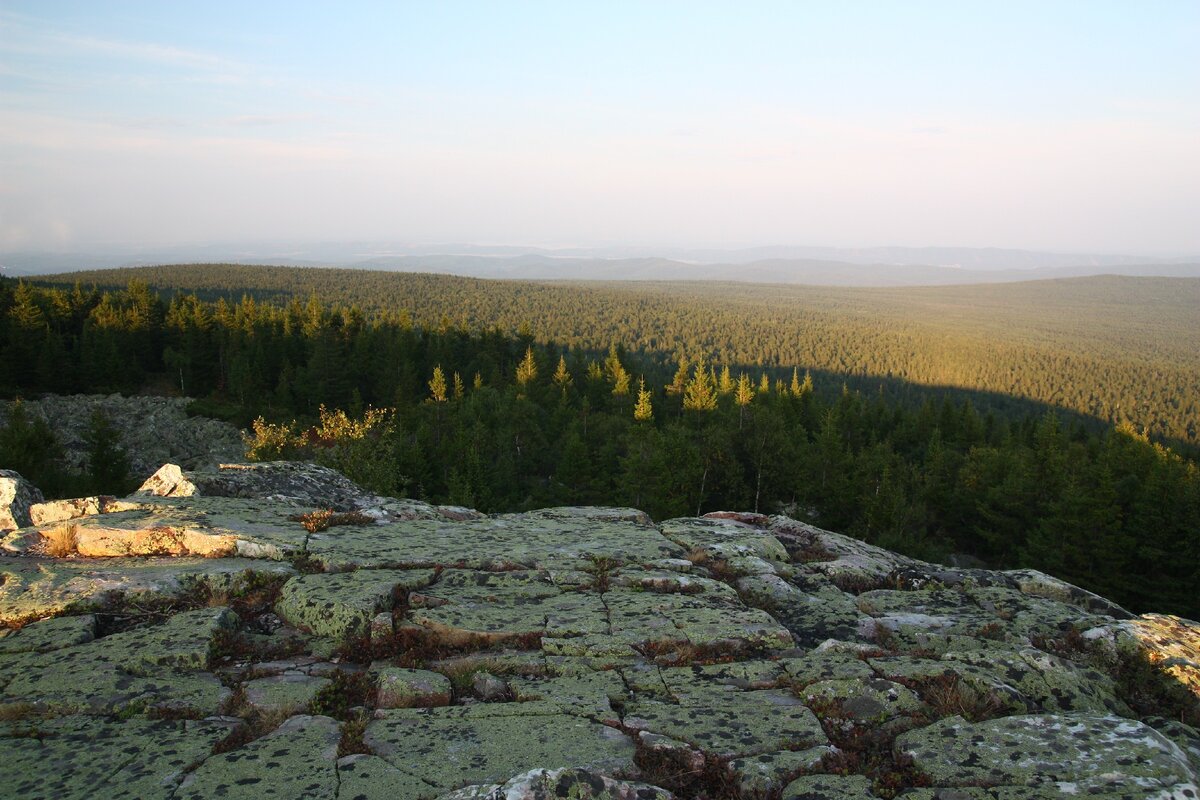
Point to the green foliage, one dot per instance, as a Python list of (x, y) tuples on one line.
[(923, 471), (108, 463)]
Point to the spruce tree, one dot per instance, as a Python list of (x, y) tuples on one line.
[(700, 394), (437, 385), (643, 411)]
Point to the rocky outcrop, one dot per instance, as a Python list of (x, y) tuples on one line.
[(153, 430), (17, 496), (338, 644)]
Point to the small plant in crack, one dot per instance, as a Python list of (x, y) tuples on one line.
[(601, 569), (353, 732), (345, 691), (325, 518)]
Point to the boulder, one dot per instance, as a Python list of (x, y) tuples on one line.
[(17, 495)]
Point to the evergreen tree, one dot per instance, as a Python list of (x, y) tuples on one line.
[(725, 382), (562, 377), (437, 385), (700, 394), (108, 463), (743, 396), (643, 411), (527, 369)]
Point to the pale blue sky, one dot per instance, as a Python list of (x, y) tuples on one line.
[(1052, 125)]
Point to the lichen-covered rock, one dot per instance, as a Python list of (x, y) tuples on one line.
[(297, 759), (829, 787), (733, 648), (150, 667), (488, 687), (1088, 753), (290, 693), (52, 511), (32, 589), (763, 775), (341, 605), (152, 430), (1171, 642), (589, 694), (302, 483), (410, 688), (79, 758), (1039, 584), (733, 724), (50, 634), (457, 746), (1052, 683), (862, 700), (367, 777), (16, 497), (576, 784)]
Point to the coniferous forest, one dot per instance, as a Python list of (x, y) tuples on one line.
[(509, 420)]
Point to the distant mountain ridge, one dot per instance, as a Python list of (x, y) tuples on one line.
[(819, 266)]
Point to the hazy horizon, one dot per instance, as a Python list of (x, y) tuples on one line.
[(1070, 128)]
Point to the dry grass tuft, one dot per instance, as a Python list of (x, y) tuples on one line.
[(61, 541)]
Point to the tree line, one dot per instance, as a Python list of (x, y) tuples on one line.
[(1118, 349), (506, 421)]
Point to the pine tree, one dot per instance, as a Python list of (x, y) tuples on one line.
[(477, 382), (562, 377), (725, 383), (700, 394), (794, 390), (681, 378), (527, 369), (806, 387), (437, 385), (108, 463), (643, 411), (616, 373), (743, 396), (764, 384), (459, 390)]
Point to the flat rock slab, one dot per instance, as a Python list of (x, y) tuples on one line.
[(1052, 683), (735, 724), (341, 605), (577, 784), (463, 745), (829, 787), (154, 666), (410, 688), (1089, 753), (34, 588), (721, 539), (521, 541), (298, 759), (862, 700), (590, 694), (764, 774), (51, 634), (80, 758), (368, 777), (498, 606), (289, 693)]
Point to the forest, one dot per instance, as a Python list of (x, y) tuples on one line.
[(1114, 349), (506, 420)]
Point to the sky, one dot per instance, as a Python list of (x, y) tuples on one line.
[(1067, 126)]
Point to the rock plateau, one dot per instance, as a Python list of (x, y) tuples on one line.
[(271, 630)]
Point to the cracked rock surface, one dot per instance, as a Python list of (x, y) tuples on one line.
[(272, 630)]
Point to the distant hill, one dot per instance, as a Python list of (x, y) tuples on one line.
[(817, 266)]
